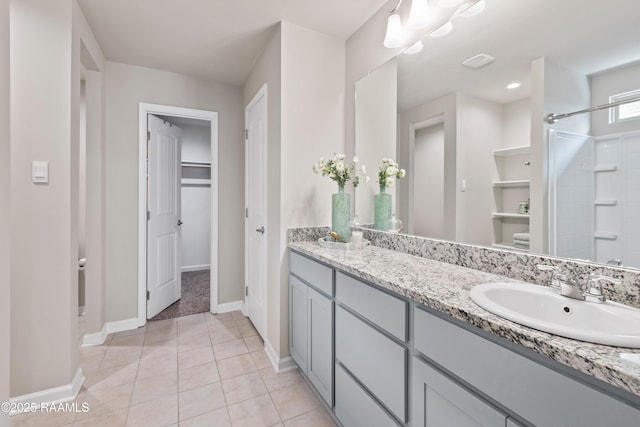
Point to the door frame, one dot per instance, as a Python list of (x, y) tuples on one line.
[(261, 93), (166, 110)]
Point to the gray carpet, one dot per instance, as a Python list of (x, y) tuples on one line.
[(195, 296)]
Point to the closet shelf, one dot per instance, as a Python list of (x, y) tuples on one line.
[(512, 183), (195, 181), (507, 215), (605, 168), (605, 236), (509, 246), (512, 151), (190, 164)]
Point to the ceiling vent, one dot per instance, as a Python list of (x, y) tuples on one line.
[(478, 61)]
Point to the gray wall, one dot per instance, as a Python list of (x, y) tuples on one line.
[(610, 83), (5, 292), (126, 86)]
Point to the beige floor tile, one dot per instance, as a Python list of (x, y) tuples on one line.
[(155, 387), (277, 381), (230, 349), (243, 387), (228, 322), (217, 418), (161, 336), (191, 319), (237, 315), (192, 342), (192, 329), (247, 329), (294, 400), (163, 361), (127, 341), (42, 419), (91, 363), (256, 412), (105, 401), (234, 366), (93, 350), (254, 343), (158, 412), (111, 377), (316, 418), (109, 419), (161, 324), (119, 356), (200, 400), (195, 357), (197, 376), (224, 334), (261, 360), (140, 330)]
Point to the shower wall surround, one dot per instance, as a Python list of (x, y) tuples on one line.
[(514, 265)]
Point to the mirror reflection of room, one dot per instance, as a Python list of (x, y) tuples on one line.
[(484, 167)]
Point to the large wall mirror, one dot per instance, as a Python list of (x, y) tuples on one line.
[(484, 166)]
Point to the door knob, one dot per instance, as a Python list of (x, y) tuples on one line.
[(260, 230), (180, 222)]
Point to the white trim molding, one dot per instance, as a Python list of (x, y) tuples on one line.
[(54, 395), (96, 338), (230, 306), (143, 110), (195, 268), (279, 364)]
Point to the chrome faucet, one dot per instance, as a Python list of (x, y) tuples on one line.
[(566, 284)]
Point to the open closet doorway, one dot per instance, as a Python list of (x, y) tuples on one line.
[(178, 201)]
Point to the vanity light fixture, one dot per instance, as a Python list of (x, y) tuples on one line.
[(514, 85), (394, 37), (446, 4), (418, 15), (414, 48), (443, 30), (469, 9)]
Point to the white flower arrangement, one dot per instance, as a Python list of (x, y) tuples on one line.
[(388, 171), (341, 172)]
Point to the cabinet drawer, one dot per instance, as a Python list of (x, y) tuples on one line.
[(537, 393), (375, 360), (318, 275), (354, 407), (384, 310)]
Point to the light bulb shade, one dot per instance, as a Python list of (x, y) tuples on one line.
[(467, 11), (394, 37), (443, 30), (418, 15), (414, 48), (446, 4)]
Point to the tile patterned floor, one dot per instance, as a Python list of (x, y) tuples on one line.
[(200, 370)]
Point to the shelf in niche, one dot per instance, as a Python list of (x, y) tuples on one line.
[(605, 168), (192, 164), (605, 203), (195, 181), (513, 183), (605, 236), (509, 246), (512, 151), (500, 215)]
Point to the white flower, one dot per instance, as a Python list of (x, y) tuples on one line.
[(356, 160), (402, 173), (363, 169), (340, 167), (340, 156), (390, 170), (389, 182), (386, 160), (321, 160)]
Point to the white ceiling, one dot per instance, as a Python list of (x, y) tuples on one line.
[(585, 35), (211, 39)]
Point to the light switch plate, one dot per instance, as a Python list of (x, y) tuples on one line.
[(40, 172)]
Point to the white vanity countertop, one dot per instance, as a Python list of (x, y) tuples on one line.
[(445, 287)]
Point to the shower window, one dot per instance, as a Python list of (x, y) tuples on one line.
[(625, 112)]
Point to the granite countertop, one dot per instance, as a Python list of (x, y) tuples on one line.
[(445, 287)]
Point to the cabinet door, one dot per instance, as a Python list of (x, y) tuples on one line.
[(298, 322), (440, 402), (320, 351)]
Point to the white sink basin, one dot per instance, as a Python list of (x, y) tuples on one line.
[(540, 308)]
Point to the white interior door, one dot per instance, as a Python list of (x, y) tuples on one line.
[(256, 196), (163, 218)]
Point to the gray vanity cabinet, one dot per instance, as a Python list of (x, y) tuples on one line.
[(439, 401), (311, 315)]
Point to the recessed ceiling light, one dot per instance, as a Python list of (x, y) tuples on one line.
[(478, 61), (414, 48), (514, 85), (443, 30)]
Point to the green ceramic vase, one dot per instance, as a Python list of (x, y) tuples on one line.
[(382, 214), (341, 213)]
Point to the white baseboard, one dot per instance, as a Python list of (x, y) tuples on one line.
[(230, 306), (279, 364), (122, 325), (96, 338), (63, 393), (195, 267)]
